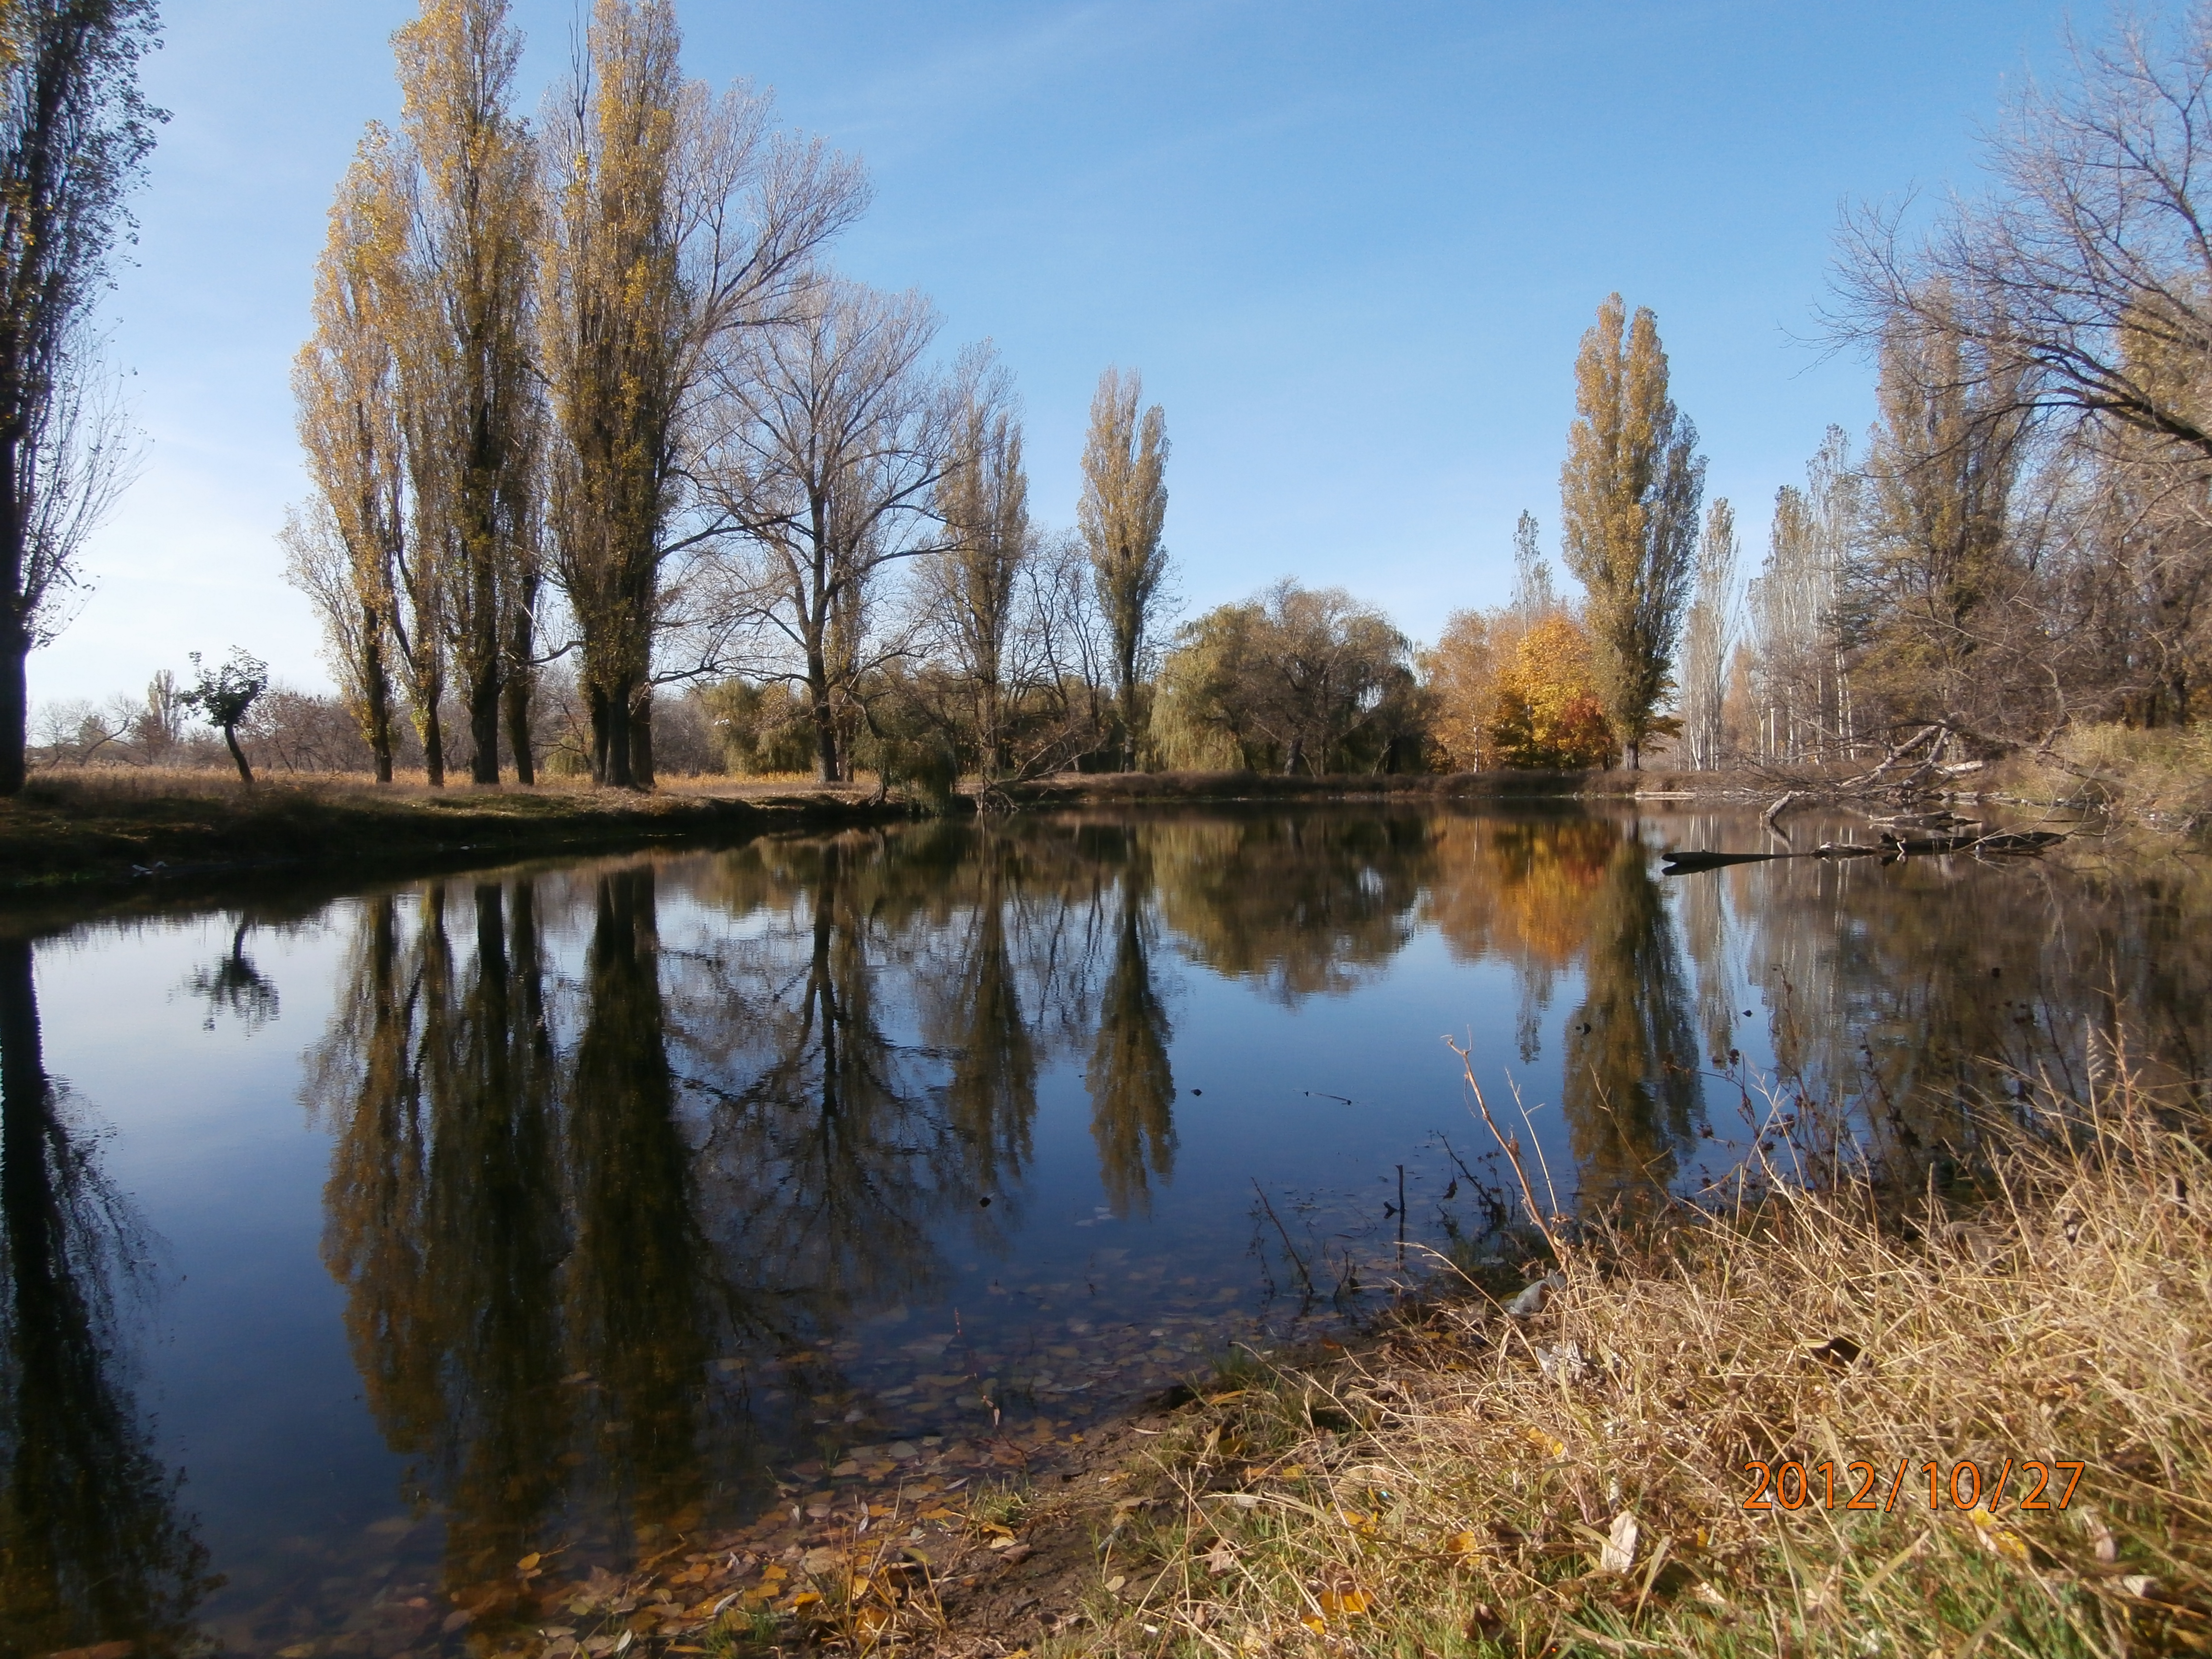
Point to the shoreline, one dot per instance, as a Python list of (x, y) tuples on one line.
[(1481, 1473), (68, 836), (136, 839), (78, 832)]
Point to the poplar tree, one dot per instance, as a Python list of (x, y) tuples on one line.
[(474, 412), (346, 552), (681, 225), (1803, 689), (1630, 492), (1936, 559), (1122, 512), (75, 133), (984, 502)]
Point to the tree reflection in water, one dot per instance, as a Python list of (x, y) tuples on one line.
[(625, 1154), (92, 1546), (1131, 1083), (1630, 1089)]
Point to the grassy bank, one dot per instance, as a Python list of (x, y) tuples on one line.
[(1471, 1483), (80, 828), (2161, 778)]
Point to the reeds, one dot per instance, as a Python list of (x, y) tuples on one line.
[(1470, 1483)]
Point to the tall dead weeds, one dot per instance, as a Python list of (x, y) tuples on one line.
[(1810, 1423)]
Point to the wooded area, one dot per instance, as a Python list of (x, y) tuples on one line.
[(615, 474)]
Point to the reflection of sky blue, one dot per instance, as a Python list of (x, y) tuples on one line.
[(255, 1393), (254, 1388)]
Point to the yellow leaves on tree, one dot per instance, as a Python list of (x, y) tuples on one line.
[(1519, 694), (1547, 712)]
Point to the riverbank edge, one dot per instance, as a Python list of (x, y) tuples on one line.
[(1573, 1466), (1602, 1460), (57, 839), (72, 833)]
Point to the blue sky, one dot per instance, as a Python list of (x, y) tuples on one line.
[(1351, 249)]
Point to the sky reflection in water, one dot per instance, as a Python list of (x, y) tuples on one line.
[(354, 1248)]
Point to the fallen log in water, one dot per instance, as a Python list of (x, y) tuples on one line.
[(1684, 864), (2009, 841)]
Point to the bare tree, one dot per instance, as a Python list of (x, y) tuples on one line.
[(988, 542), (1123, 511), (357, 628), (1059, 664), (682, 224), (834, 442), (2081, 285), (75, 133)]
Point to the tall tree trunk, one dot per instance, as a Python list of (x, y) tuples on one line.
[(14, 631), (434, 747), (376, 694), (993, 745), (1129, 711), (611, 738), (14, 704), (825, 720), (521, 680), (640, 743), (483, 725)]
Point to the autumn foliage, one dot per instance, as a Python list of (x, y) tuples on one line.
[(1518, 691)]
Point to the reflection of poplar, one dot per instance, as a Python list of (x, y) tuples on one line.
[(1631, 1093), (496, 1242), (454, 1200), (639, 1270), (91, 1549), (1131, 1087), (364, 1079), (992, 1098), (1705, 934)]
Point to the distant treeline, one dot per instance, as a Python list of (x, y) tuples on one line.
[(614, 473)]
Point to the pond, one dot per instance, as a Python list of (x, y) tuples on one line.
[(358, 1245)]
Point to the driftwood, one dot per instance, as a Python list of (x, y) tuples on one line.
[(2008, 842), (1913, 769)]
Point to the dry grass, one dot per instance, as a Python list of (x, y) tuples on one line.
[(2161, 777), (1471, 1484), (104, 823), (96, 785)]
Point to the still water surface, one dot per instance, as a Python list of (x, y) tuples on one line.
[(356, 1245)]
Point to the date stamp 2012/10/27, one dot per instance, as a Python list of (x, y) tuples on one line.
[(1858, 1485)]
